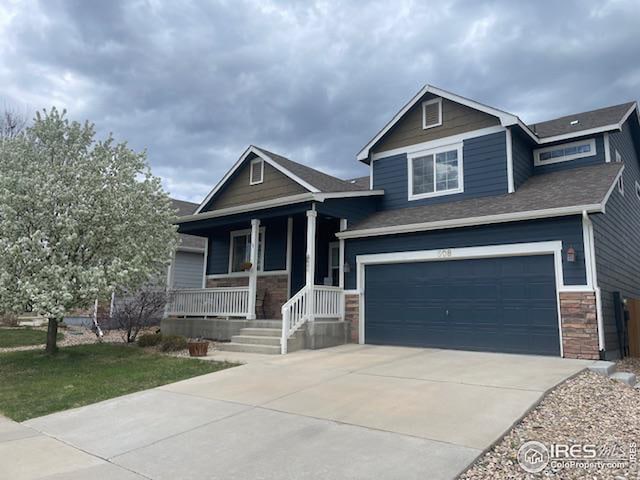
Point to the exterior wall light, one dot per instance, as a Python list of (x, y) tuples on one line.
[(571, 254)]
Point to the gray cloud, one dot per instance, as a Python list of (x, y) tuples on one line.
[(196, 82)]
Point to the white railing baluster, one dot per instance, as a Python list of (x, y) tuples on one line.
[(225, 301)]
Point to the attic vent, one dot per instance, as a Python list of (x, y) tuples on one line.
[(432, 113), (574, 122)]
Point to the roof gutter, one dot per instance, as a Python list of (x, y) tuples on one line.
[(472, 221)]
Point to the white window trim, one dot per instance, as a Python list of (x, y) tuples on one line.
[(331, 267), (621, 185), (437, 101), (244, 233), (434, 151), (451, 254), (254, 162), (536, 153)]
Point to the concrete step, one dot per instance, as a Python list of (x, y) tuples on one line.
[(248, 348), (256, 340), (625, 377), (603, 368), (261, 332), (264, 323)]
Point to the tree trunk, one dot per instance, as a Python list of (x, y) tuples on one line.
[(52, 336)]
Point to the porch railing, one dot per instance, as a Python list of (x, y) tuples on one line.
[(328, 302), (200, 302)]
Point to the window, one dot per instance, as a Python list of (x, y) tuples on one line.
[(240, 250), (621, 185), (564, 153), (432, 113), (618, 157), (638, 190), (257, 171), (435, 172), (334, 263)]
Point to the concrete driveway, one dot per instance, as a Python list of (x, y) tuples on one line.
[(347, 412)]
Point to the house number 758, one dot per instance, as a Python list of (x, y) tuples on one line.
[(444, 253)]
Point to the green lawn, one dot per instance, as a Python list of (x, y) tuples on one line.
[(19, 337), (33, 383)]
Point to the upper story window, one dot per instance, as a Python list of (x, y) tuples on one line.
[(240, 250), (618, 157), (257, 171), (432, 113), (564, 153), (435, 172)]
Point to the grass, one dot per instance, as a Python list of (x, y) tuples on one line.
[(33, 383), (20, 337)]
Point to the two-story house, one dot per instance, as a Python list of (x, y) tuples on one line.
[(472, 231)]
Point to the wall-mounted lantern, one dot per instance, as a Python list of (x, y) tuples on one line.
[(571, 254)]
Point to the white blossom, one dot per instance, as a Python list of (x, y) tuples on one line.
[(78, 218)]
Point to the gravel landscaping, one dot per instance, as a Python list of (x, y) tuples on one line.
[(587, 409)]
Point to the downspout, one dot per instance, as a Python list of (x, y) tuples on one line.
[(589, 248)]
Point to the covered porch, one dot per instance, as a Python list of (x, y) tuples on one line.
[(281, 264)]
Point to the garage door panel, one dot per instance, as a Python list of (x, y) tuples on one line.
[(497, 304)]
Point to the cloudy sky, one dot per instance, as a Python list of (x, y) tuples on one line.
[(196, 82)]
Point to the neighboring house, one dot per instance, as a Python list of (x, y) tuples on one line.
[(187, 265), (473, 231)]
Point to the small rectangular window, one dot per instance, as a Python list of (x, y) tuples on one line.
[(240, 250), (564, 153), (432, 113), (257, 171), (435, 172)]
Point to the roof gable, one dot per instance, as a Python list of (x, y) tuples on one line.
[(309, 179), (504, 118)]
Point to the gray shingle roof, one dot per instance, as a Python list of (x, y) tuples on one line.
[(567, 188), (323, 182), (586, 120), (187, 208)]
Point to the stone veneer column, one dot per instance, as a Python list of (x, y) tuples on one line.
[(579, 325), (352, 315)]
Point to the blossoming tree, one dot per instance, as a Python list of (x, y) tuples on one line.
[(79, 218)]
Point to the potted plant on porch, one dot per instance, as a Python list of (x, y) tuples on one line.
[(198, 347)]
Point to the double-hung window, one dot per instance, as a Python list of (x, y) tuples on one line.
[(435, 172), (240, 250)]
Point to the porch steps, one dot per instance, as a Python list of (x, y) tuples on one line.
[(256, 340), (261, 336)]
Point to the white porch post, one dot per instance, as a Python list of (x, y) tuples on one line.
[(311, 261), (343, 227), (253, 273)]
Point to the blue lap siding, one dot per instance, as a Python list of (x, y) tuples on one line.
[(522, 152), (566, 229), (617, 238), (484, 165)]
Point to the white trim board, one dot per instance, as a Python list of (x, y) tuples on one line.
[(492, 251), (472, 221)]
